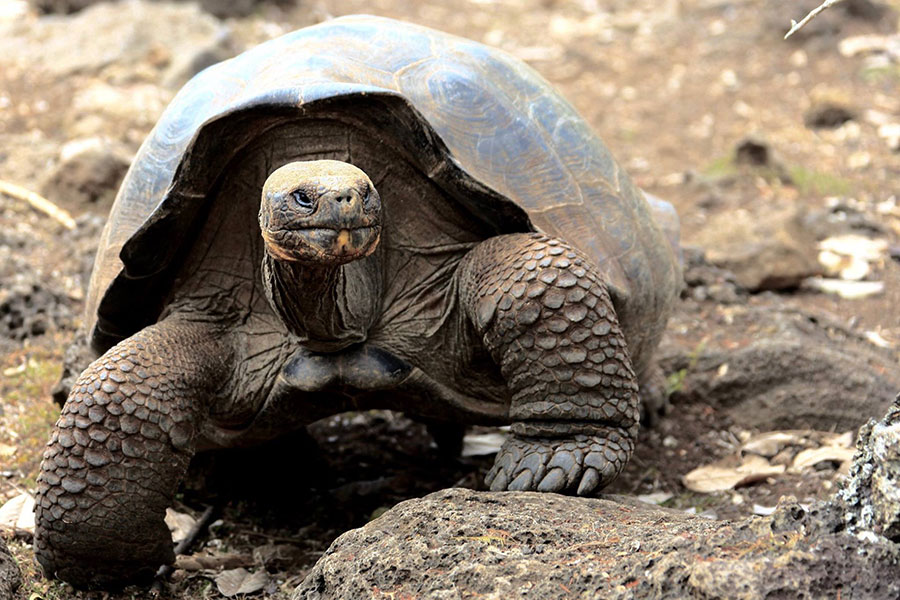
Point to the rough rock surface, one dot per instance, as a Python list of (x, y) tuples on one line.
[(105, 72), (119, 38), (220, 8), (872, 493), (759, 366), (704, 281), (770, 251), (89, 172), (459, 543), (10, 575), (40, 286), (28, 307)]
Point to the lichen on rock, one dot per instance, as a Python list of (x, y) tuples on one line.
[(871, 495)]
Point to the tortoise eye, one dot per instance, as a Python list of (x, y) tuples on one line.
[(302, 200), (367, 199)]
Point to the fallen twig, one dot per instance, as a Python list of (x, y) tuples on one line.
[(795, 26), (184, 546), (200, 563), (38, 202)]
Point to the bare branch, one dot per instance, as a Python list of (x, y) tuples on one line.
[(38, 202), (795, 26), (184, 547)]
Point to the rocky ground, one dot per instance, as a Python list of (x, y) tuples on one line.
[(780, 156)]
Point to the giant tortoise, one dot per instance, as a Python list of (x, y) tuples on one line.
[(360, 214)]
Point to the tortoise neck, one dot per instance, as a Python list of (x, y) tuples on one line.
[(327, 307)]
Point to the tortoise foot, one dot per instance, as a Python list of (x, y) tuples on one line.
[(120, 448), (548, 321), (581, 464), (97, 571)]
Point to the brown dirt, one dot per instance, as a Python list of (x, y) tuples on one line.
[(672, 87)]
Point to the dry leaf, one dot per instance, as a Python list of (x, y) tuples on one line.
[(771, 443), (17, 370), (868, 44), (241, 581), (876, 338), (845, 267), (718, 477), (848, 256), (856, 246), (812, 457), (180, 524), (18, 513), (6, 450), (851, 290), (841, 440), (655, 497)]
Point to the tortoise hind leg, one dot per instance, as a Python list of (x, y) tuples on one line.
[(119, 450), (654, 395), (546, 318)]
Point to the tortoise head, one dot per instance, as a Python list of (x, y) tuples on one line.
[(325, 212)]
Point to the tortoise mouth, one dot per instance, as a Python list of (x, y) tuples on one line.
[(323, 245)]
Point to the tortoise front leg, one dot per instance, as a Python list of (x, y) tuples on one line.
[(546, 318), (120, 448)]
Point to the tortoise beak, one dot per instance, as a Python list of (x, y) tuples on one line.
[(321, 245)]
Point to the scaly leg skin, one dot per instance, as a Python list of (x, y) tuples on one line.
[(546, 318), (119, 450)]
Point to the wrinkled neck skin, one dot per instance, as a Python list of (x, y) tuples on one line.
[(328, 308)]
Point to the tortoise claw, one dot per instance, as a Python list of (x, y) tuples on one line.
[(569, 463), (534, 463), (521, 483), (589, 482), (497, 479), (554, 481), (579, 465)]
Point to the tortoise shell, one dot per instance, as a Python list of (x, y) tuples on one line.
[(483, 126)]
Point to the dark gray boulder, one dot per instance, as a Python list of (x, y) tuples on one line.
[(780, 368), (459, 543)]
